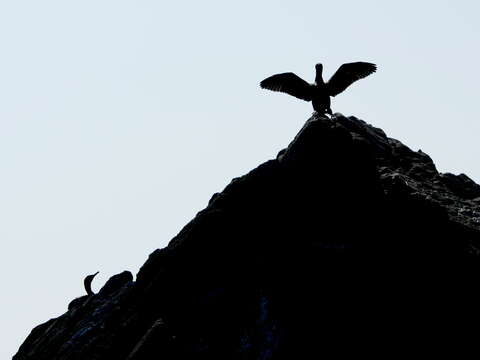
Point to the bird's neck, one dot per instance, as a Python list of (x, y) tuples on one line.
[(318, 76)]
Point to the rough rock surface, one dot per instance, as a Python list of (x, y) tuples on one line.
[(349, 243)]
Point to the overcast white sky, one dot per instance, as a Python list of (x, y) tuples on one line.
[(119, 119)]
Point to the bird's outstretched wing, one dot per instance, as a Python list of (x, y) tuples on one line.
[(347, 74), (288, 83)]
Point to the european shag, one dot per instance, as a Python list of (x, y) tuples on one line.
[(319, 92), (88, 283)]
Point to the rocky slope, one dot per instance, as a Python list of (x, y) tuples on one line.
[(348, 243)]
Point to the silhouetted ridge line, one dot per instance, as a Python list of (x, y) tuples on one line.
[(347, 244)]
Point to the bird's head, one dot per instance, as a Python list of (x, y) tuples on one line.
[(93, 275)]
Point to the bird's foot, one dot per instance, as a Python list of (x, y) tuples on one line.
[(322, 114)]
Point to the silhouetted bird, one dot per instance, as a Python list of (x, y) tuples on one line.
[(319, 92), (88, 283)]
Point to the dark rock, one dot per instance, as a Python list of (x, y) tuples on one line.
[(115, 283), (157, 340), (461, 185), (77, 302), (348, 243)]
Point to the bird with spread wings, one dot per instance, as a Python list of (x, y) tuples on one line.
[(319, 92)]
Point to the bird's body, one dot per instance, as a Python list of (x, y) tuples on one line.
[(321, 100), (319, 92)]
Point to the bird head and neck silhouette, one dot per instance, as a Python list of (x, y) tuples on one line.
[(318, 74), (319, 92), (88, 283)]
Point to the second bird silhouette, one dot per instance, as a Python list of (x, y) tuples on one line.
[(320, 91), (88, 283)]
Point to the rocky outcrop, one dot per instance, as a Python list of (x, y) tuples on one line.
[(348, 243)]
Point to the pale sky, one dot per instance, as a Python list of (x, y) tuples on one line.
[(119, 119)]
